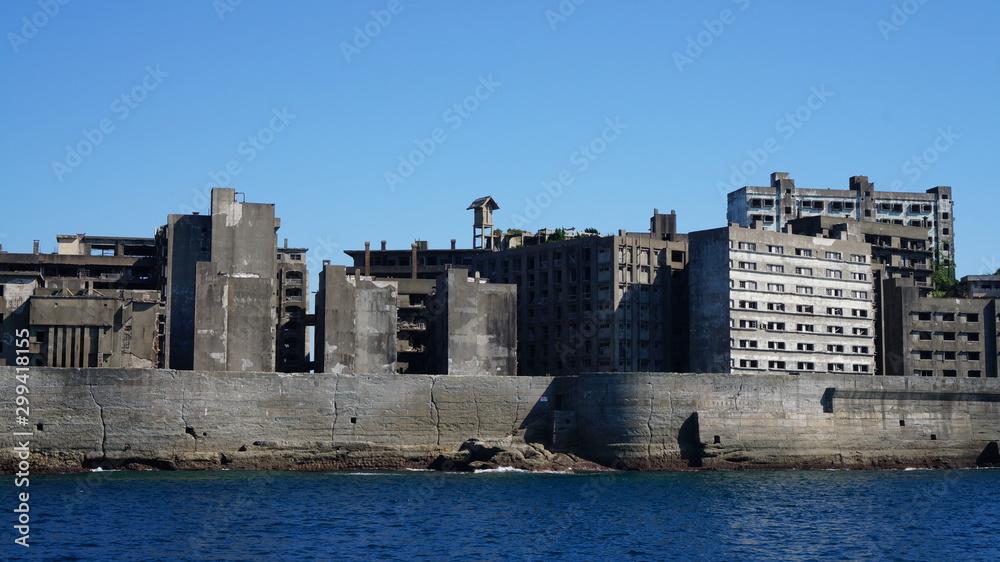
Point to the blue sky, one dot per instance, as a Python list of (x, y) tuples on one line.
[(383, 120)]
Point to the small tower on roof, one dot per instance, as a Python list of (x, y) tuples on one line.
[(482, 225)]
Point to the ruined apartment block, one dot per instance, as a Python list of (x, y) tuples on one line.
[(773, 207), (93, 303), (599, 303), (292, 351), (900, 252), (763, 301), (938, 337)]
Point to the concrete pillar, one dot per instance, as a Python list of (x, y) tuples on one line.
[(35, 249), (368, 257), (413, 260)]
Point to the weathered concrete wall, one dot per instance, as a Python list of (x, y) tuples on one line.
[(708, 298), (355, 324), (188, 241), (193, 419), (473, 326), (236, 321), (672, 421), (243, 235)]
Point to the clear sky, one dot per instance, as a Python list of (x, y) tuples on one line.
[(381, 119)]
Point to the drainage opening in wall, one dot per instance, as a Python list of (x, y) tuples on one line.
[(933, 437), (354, 420), (717, 440), (38, 426), (190, 431), (902, 423)]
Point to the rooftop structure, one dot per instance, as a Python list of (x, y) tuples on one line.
[(772, 207)]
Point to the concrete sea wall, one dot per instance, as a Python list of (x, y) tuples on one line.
[(83, 418)]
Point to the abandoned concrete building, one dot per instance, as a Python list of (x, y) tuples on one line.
[(201, 294), (460, 325), (938, 337), (93, 303), (817, 281), (775, 205), (599, 303), (902, 252), (982, 286), (772, 301)]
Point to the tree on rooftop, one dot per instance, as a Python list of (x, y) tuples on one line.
[(558, 236)]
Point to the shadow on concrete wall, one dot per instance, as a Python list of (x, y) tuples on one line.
[(990, 455), (689, 441)]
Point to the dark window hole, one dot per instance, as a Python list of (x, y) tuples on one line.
[(718, 439)]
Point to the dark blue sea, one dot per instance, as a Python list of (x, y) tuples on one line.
[(790, 515)]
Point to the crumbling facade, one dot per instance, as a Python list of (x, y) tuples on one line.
[(599, 303), (772, 208), (472, 326), (765, 301), (202, 294), (355, 323), (938, 337)]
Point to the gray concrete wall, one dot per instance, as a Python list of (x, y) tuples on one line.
[(708, 300), (196, 419), (243, 235), (235, 320), (473, 326), (355, 324), (188, 241)]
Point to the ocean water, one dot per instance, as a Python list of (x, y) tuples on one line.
[(789, 515)]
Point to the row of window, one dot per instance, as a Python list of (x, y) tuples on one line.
[(802, 346), (801, 308), (801, 252), (974, 373), (944, 336), (971, 317), (799, 289), (803, 271), (840, 206), (788, 327), (801, 366), (926, 355)]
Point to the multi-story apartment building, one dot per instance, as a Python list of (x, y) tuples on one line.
[(772, 207), (598, 303), (900, 251), (293, 307), (771, 301), (939, 337)]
